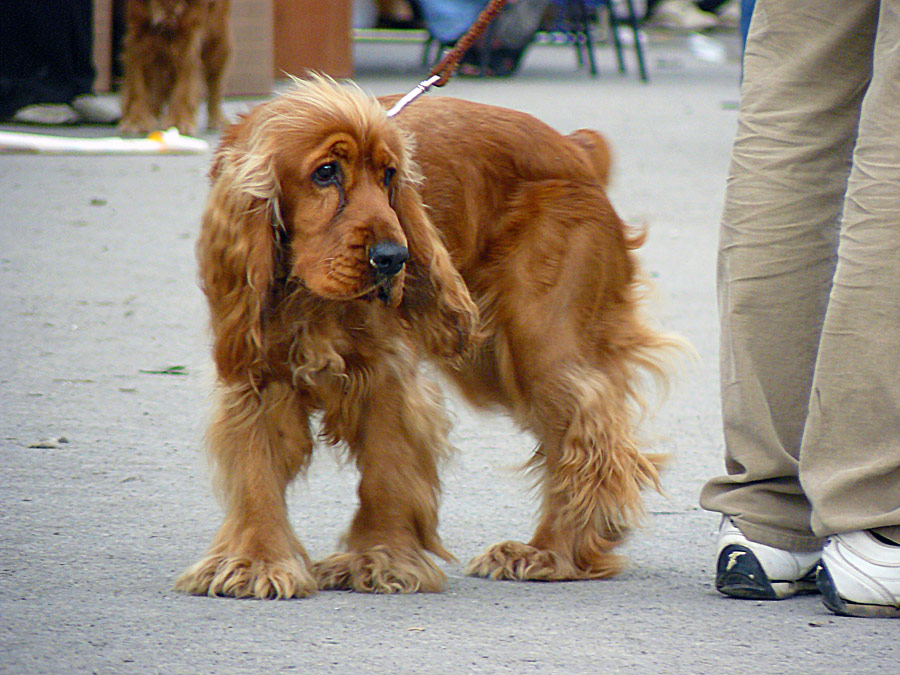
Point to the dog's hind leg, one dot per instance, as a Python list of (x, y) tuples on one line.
[(590, 473), (571, 353), (215, 60), (259, 441), (397, 444)]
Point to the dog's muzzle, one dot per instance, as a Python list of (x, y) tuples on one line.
[(387, 258)]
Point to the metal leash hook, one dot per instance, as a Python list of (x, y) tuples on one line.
[(420, 89), (441, 73)]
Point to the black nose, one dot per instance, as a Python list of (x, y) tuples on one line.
[(388, 258)]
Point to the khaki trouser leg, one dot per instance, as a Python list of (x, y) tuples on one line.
[(850, 454), (805, 72)]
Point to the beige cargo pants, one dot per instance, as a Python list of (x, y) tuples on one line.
[(809, 277)]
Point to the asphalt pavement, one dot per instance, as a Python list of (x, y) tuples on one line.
[(105, 363)]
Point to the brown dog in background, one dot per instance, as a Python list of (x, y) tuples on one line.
[(172, 48), (338, 249)]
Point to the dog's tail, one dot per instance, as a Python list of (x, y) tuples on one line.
[(597, 150)]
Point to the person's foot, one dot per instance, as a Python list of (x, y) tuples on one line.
[(682, 15), (729, 14), (748, 570), (84, 109), (860, 575), (92, 110), (51, 114)]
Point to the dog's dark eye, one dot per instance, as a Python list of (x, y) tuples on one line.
[(327, 174), (389, 176)]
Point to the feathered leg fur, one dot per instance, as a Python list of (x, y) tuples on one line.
[(259, 441), (397, 450), (590, 473), (567, 352)]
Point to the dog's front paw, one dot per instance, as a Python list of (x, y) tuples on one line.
[(379, 570), (515, 561), (137, 124), (242, 577), (216, 120), (183, 121)]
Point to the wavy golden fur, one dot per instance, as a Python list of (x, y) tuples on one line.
[(172, 49), (339, 249)]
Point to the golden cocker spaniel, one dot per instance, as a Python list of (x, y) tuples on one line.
[(340, 248), (172, 50)]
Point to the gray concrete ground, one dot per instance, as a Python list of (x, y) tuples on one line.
[(98, 288)]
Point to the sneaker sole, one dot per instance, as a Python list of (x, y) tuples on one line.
[(842, 607), (739, 575)]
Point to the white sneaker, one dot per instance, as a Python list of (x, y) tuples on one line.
[(860, 576), (46, 113), (682, 15), (746, 569), (92, 110), (729, 14)]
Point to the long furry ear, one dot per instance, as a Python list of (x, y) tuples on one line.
[(235, 254), (436, 302)]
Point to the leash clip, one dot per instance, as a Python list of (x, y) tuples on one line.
[(420, 89)]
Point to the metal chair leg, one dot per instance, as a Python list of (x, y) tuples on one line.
[(614, 30), (638, 47), (588, 40)]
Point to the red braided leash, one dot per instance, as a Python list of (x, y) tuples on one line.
[(444, 69)]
